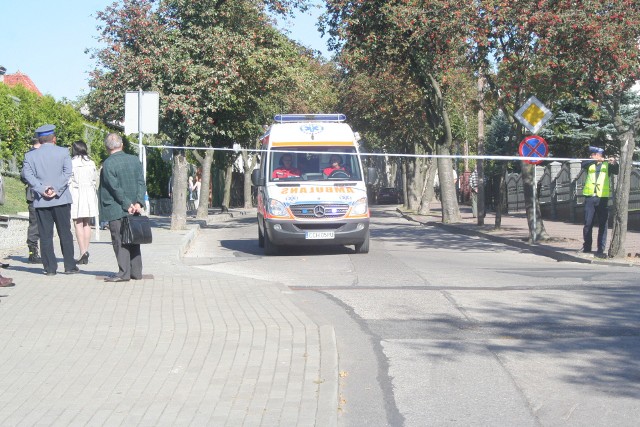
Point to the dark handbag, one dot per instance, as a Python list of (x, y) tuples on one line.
[(135, 230)]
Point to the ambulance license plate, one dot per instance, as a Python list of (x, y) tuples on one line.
[(315, 235)]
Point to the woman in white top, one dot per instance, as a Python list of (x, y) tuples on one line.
[(85, 200), (194, 190)]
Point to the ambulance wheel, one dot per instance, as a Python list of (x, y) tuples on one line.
[(260, 238), (269, 247), (363, 248)]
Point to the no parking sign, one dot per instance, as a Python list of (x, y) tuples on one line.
[(534, 146)]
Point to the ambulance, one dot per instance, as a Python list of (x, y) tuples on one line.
[(311, 189)]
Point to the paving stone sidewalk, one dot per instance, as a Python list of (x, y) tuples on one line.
[(180, 347)]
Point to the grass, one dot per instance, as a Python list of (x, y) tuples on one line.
[(14, 196)]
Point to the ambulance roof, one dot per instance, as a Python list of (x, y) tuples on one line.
[(309, 134)]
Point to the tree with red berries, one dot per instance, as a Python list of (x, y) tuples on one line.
[(215, 64)]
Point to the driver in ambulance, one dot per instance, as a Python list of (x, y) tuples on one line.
[(286, 169), (336, 165)]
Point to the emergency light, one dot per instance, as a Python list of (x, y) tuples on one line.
[(296, 118)]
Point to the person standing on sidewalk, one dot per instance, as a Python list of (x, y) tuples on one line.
[(33, 237), (121, 192), (85, 198), (47, 170), (473, 185), (596, 198)]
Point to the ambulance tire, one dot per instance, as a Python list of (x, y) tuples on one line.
[(363, 248), (269, 247), (260, 238)]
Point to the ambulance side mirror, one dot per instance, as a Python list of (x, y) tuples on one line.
[(256, 178)]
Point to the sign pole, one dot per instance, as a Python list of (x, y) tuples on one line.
[(535, 184), (140, 127)]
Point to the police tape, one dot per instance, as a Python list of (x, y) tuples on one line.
[(365, 154)]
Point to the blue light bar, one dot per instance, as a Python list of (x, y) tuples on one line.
[(296, 118)]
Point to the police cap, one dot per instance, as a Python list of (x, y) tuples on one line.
[(596, 150), (45, 130)]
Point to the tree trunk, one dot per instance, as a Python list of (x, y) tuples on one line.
[(480, 163), (427, 188), (205, 163), (536, 228), (179, 191), (414, 184), (621, 201), (448, 195), (248, 163), (502, 191), (228, 179), (405, 183)]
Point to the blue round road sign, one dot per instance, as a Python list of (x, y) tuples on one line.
[(534, 146)]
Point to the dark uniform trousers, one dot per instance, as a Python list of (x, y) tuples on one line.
[(61, 217), (128, 256), (595, 208), (32, 232)]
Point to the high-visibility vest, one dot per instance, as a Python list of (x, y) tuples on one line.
[(600, 187)]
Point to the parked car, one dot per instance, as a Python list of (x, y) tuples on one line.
[(388, 195)]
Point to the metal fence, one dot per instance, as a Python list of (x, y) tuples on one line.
[(559, 190)]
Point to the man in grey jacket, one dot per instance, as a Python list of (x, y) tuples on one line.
[(47, 170)]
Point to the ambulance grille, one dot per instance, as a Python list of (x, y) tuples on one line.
[(319, 211)]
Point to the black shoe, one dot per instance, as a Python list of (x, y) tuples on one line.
[(74, 270), (601, 255), (34, 259), (3, 265), (49, 273), (84, 259), (113, 279)]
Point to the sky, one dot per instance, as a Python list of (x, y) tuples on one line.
[(51, 50)]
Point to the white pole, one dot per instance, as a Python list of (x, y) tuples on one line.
[(140, 124)]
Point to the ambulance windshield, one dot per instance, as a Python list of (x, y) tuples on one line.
[(319, 164)]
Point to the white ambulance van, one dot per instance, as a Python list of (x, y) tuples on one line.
[(311, 186)]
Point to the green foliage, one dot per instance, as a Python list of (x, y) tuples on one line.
[(220, 68), (15, 200), (500, 141), (22, 111), (158, 174)]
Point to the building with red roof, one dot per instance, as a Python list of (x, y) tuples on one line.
[(18, 79)]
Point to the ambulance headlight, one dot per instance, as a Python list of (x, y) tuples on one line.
[(360, 207), (277, 208)]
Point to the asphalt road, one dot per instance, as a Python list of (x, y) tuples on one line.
[(436, 328)]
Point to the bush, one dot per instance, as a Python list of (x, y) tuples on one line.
[(15, 200)]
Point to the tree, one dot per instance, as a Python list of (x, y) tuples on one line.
[(425, 36), (192, 53), (556, 50), (605, 63), (386, 107)]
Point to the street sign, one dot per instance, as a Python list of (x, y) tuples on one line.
[(533, 114), (534, 146), (146, 111)]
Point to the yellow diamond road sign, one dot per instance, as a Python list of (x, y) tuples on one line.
[(533, 114)]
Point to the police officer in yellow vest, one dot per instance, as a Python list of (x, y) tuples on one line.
[(596, 198)]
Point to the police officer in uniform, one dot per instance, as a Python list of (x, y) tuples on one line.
[(32, 232), (596, 198), (47, 170)]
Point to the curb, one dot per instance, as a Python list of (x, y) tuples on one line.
[(327, 411), (188, 239)]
